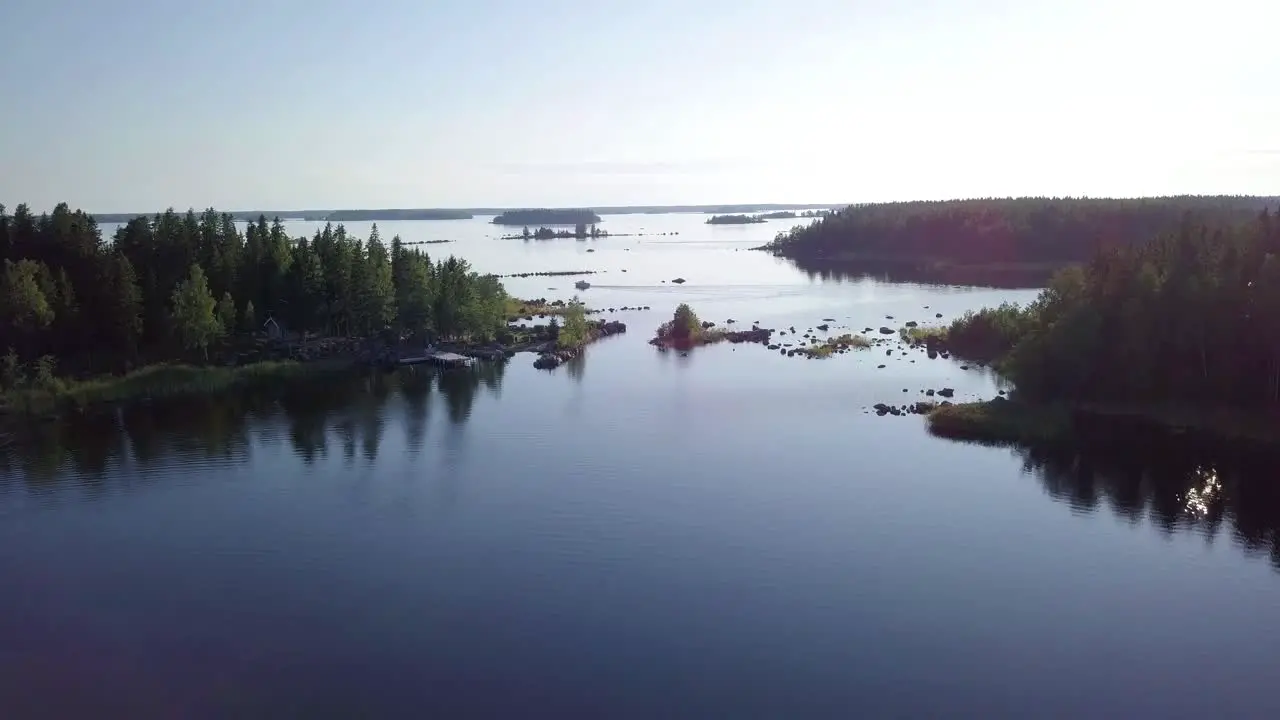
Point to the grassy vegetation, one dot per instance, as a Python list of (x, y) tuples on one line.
[(832, 345), (518, 309), (52, 396), (1001, 421), (986, 335), (923, 335)]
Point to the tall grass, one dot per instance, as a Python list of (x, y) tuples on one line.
[(157, 382), (832, 345)]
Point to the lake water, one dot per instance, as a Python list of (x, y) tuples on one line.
[(636, 534)]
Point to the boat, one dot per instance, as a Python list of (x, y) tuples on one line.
[(582, 284)]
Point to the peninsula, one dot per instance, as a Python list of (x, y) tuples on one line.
[(1174, 332), (185, 304), (1015, 242)]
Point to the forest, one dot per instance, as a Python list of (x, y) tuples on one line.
[(734, 220), (546, 216), (1188, 320), (1001, 231), (174, 286)]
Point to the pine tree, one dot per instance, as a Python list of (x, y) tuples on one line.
[(379, 293), (123, 311)]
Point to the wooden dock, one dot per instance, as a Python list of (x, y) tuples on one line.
[(439, 359)]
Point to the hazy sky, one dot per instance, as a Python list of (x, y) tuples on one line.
[(136, 105)]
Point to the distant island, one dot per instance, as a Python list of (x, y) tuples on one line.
[(464, 213), (778, 215), (734, 220), (547, 216), (394, 214), (1013, 242)]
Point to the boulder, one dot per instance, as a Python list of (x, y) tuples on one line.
[(947, 392)]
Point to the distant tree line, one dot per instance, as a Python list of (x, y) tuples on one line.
[(1190, 318), (397, 214), (171, 285), (1054, 231)]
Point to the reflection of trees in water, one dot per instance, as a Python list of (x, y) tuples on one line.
[(459, 387), (576, 366), (95, 445), (1010, 277), (415, 388), (1177, 486)]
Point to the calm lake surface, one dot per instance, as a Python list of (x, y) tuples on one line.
[(636, 534)]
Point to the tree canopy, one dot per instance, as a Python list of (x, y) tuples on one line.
[(148, 294), (1189, 318), (1053, 231)]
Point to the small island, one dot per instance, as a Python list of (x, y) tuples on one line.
[(777, 215), (735, 220), (546, 216), (1169, 335), (685, 331), (581, 231)]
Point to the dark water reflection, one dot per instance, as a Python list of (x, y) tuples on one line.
[(1171, 484), (718, 534), (1008, 276), (347, 415), (1175, 486)]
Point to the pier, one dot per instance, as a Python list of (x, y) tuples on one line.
[(439, 359)]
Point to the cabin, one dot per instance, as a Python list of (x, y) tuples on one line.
[(274, 329)]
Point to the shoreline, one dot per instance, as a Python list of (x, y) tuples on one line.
[(163, 381), (1002, 421), (176, 380)]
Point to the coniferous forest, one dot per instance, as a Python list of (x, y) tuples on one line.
[(1183, 329), (175, 286), (1050, 232), (1191, 317)]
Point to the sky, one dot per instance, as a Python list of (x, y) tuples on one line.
[(139, 105)]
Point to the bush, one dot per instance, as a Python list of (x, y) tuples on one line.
[(685, 325)]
